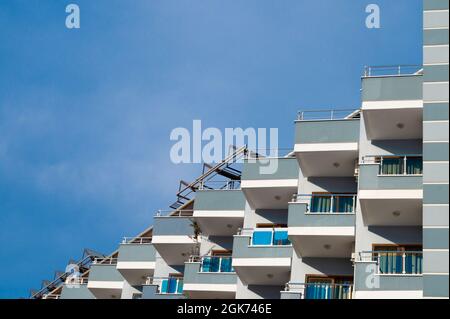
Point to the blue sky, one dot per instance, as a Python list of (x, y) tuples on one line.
[(85, 115)]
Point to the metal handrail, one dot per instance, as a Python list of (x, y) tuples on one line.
[(392, 70), (176, 213), (250, 231), (327, 114), (186, 191), (307, 199), (158, 281), (105, 261), (379, 160), (137, 240), (200, 259), (223, 185), (337, 291), (377, 256), (52, 296), (57, 282), (269, 153), (76, 280)]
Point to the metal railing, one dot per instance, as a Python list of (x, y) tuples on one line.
[(52, 296), (83, 264), (176, 213), (137, 240), (167, 285), (74, 280), (327, 203), (214, 264), (105, 261), (266, 236), (395, 165), (392, 70), (269, 153), (321, 290), (220, 185), (395, 262), (330, 114)]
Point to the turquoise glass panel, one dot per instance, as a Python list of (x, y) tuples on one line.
[(262, 238), (280, 238)]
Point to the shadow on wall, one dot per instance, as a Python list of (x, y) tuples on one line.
[(400, 146), (335, 266), (335, 184), (402, 235), (276, 216), (266, 292)]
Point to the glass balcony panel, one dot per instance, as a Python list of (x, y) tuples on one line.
[(280, 238), (391, 263), (414, 165), (343, 204), (318, 291), (262, 238), (320, 204), (179, 286), (225, 265), (171, 286), (413, 263), (392, 166)]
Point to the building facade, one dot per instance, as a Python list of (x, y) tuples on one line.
[(357, 209)]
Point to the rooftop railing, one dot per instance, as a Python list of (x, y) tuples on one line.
[(220, 185), (177, 213), (52, 296), (330, 114), (74, 280), (137, 240), (321, 290), (269, 153), (328, 203), (105, 261), (392, 70), (395, 262), (395, 165)]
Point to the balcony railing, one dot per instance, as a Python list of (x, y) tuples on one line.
[(330, 114), (105, 261), (321, 290), (167, 285), (220, 185), (267, 236), (268, 153), (395, 262), (137, 240), (73, 280), (396, 165), (327, 203), (52, 296), (214, 264), (392, 70), (177, 213)]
